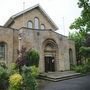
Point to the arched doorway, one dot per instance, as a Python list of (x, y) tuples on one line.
[(50, 51), (71, 57)]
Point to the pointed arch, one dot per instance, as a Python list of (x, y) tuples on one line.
[(29, 24), (42, 26), (50, 55), (36, 23), (71, 57)]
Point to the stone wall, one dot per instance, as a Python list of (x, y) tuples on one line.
[(6, 36), (22, 20), (35, 39)]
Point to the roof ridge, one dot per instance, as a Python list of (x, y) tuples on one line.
[(24, 11), (11, 19)]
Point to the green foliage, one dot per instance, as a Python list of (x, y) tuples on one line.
[(87, 44), (77, 24), (26, 79), (83, 3), (27, 63), (3, 78), (85, 68), (78, 69), (3, 72), (2, 64), (85, 51), (83, 22), (34, 71), (29, 80), (18, 76), (11, 79), (32, 58), (15, 82), (82, 27), (12, 69), (79, 41), (28, 58)]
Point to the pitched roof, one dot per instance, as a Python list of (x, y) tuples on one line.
[(11, 19)]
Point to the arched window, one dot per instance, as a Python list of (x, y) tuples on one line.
[(2, 51), (42, 26), (36, 23), (29, 24), (71, 57)]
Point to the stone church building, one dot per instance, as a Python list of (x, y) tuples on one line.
[(33, 28)]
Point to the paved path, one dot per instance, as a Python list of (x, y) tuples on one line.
[(81, 83)]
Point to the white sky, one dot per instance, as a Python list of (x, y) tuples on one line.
[(62, 12)]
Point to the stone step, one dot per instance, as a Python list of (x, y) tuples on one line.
[(66, 77)]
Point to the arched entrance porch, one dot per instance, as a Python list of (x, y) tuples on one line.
[(50, 54)]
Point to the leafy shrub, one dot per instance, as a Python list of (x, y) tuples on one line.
[(21, 60), (34, 71), (3, 78), (85, 68), (12, 69), (30, 82), (15, 82), (2, 64), (78, 68), (26, 64), (11, 79), (28, 58), (32, 58), (85, 51)]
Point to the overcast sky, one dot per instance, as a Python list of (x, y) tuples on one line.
[(62, 12)]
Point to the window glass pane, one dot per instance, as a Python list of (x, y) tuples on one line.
[(29, 25), (42, 26), (36, 23), (2, 47), (2, 51)]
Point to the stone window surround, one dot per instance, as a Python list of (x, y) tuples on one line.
[(29, 24), (42, 25), (36, 23), (5, 52), (71, 56), (33, 24)]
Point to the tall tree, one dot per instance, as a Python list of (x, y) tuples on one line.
[(82, 27), (82, 23)]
